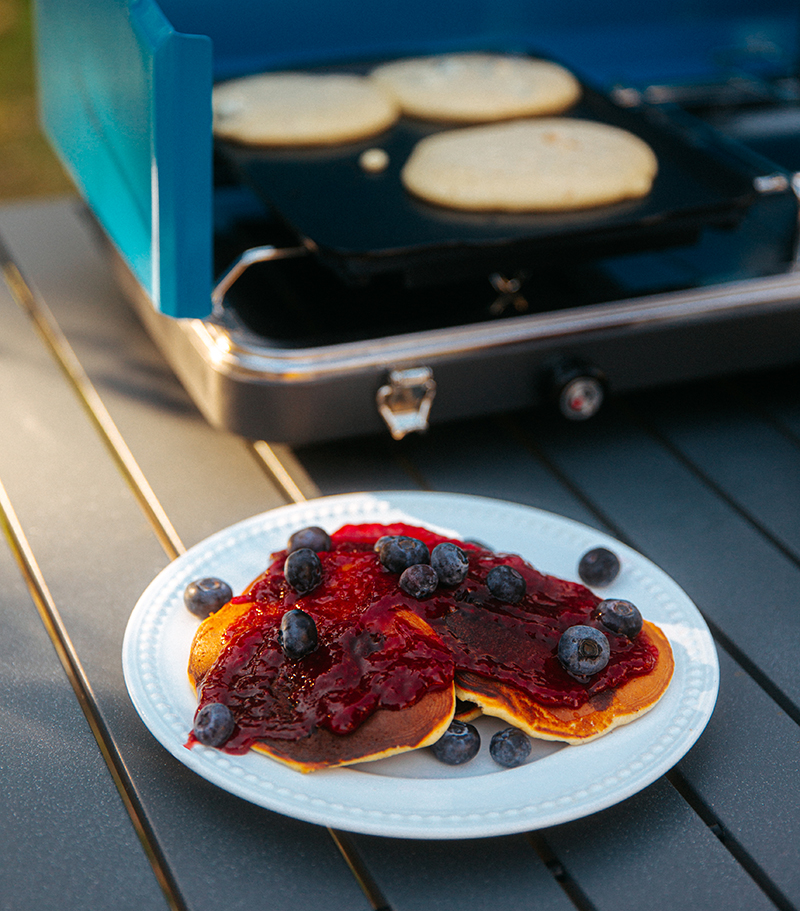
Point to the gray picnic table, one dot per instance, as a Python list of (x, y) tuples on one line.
[(109, 473)]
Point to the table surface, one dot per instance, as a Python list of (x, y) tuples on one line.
[(109, 472)]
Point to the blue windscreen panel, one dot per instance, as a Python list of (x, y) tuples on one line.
[(126, 101), (125, 85)]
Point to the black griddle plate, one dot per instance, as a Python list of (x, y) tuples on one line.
[(366, 224)]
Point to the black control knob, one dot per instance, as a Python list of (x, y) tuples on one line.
[(576, 389)]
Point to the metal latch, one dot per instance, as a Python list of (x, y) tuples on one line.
[(405, 401)]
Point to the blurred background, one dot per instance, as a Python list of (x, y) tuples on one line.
[(28, 167)]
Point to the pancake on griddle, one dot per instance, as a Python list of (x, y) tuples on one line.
[(551, 164), (301, 109), (477, 87)]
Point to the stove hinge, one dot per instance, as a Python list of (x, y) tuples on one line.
[(405, 400)]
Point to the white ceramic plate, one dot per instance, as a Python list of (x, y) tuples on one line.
[(413, 795)]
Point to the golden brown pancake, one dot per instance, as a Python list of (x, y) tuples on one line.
[(210, 638), (385, 732), (599, 715)]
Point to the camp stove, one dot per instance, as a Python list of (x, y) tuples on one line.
[(300, 298)]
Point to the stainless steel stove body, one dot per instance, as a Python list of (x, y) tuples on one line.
[(299, 299)]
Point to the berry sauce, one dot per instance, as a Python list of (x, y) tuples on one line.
[(372, 654)]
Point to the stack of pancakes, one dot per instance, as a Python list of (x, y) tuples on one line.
[(389, 667)]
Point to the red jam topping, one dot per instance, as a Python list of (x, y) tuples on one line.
[(372, 655)]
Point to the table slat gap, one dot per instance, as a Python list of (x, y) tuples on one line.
[(559, 872)]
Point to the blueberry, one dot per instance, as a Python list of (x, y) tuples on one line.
[(303, 570), (583, 650), (599, 566), (398, 552), (213, 724), (204, 596), (420, 580), (314, 537), (298, 634), (510, 747), (506, 584), (450, 562), (459, 743), (620, 617)]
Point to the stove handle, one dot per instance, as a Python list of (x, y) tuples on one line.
[(248, 258)]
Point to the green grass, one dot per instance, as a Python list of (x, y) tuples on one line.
[(28, 166)]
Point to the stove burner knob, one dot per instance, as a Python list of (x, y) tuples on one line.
[(577, 389), (581, 398)]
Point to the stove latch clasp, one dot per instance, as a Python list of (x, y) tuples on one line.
[(405, 401)]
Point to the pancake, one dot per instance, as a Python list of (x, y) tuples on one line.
[(390, 664), (545, 165), (301, 109), (210, 639), (599, 715), (475, 87), (385, 733), (407, 710)]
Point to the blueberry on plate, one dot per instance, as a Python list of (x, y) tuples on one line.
[(205, 596), (303, 570), (459, 743), (420, 581), (398, 552), (599, 567), (620, 617), (583, 650), (506, 584), (213, 724), (450, 562), (510, 747), (313, 537), (297, 634)]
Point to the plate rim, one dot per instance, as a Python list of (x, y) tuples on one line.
[(260, 780)]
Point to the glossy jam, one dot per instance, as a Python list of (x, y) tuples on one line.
[(371, 654)]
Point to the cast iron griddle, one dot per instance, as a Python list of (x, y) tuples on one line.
[(367, 224)]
